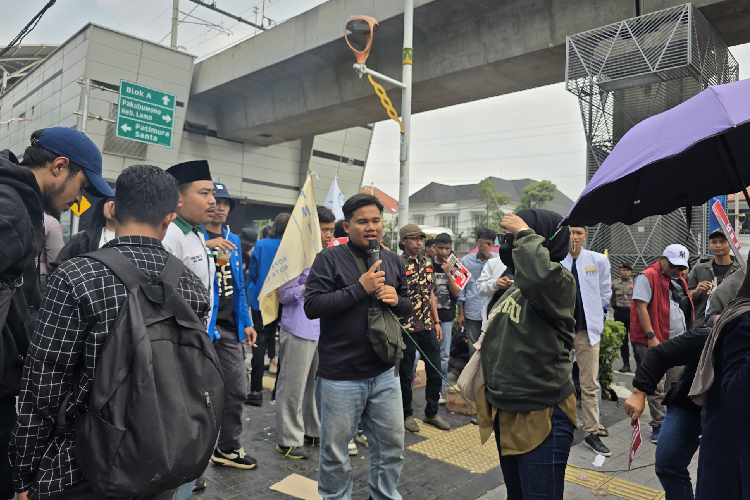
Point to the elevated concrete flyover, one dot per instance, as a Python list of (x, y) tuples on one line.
[(296, 79)]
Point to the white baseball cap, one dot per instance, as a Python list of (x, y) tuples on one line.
[(677, 254)]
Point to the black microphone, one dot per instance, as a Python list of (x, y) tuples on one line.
[(375, 253)]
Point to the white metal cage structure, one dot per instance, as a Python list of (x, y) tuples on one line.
[(622, 74)]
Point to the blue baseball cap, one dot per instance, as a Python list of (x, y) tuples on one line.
[(79, 149), (221, 192)]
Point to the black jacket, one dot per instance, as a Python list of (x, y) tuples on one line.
[(683, 350), (22, 236), (78, 244), (334, 294)]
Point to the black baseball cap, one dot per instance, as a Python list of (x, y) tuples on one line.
[(626, 265), (79, 149), (717, 233), (249, 236)]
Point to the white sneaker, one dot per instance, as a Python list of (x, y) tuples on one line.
[(353, 448), (442, 400)]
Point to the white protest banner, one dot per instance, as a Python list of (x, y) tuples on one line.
[(721, 217), (335, 200), (299, 246)]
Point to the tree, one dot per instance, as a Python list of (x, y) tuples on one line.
[(537, 194), (493, 202)]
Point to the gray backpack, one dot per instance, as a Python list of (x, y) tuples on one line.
[(157, 397)]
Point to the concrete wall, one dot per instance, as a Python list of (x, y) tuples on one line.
[(262, 176)]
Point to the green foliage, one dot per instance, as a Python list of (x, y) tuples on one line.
[(537, 194), (493, 200), (609, 350)]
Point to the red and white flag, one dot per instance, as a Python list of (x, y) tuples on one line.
[(721, 217), (635, 443)]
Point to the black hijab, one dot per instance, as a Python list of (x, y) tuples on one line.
[(545, 223)]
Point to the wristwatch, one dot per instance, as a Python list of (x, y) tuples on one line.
[(650, 335)]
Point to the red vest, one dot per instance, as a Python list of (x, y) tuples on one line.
[(658, 308)]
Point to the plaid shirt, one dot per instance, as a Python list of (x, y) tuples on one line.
[(82, 300), (421, 278)]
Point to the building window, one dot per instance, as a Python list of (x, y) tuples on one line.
[(478, 218), (449, 221), (419, 220)]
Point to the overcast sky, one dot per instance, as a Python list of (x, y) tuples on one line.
[(534, 134)]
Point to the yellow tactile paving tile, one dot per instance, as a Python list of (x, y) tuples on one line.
[(269, 382), (632, 491), (585, 477), (460, 447), (476, 460), (614, 486)]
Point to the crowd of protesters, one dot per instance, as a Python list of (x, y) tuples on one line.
[(159, 262)]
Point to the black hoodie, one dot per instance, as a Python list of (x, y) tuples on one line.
[(22, 236)]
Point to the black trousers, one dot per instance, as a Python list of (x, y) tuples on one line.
[(7, 422), (266, 337), (83, 491), (623, 314), (429, 344)]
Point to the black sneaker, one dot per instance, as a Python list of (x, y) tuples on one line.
[(595, 443), (293, 452), (254, 399), (235, 458), (624, 369)]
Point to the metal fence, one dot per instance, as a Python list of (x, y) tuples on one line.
[(622, 74)]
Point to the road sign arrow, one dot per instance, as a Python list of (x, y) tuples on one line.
[(166, 118), (165, 99), (125, 128)]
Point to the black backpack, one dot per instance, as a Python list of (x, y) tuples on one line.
[(157, 397)]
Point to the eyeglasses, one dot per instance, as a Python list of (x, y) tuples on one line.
[(508, 238)]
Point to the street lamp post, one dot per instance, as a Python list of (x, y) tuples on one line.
[(359, 33)]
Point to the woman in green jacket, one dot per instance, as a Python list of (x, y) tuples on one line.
[(529, 397)]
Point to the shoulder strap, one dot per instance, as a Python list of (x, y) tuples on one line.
[(172, 271), (121, 266), (360, 262)]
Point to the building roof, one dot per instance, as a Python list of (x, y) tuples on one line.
[(441, 193), (391, 205), (20, 60)]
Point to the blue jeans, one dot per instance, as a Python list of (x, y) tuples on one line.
[(678, 442), (540, 473), (377, 403), (184, 492), (445, 349)]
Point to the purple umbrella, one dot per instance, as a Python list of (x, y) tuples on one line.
[(679, 158)]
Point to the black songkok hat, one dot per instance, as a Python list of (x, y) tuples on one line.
[(190, 171)]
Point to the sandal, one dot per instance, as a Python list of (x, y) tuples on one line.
[(603, 432), (200, 484)]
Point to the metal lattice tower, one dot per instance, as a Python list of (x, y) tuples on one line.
[(622, 74)]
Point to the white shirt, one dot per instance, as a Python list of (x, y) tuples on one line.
[(191, 249), (487, 282), (596, 289), (107, 235), (642, 291)]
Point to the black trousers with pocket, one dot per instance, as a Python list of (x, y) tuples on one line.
[(429, 344), (266, 337)]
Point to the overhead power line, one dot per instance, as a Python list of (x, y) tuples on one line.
[(28, 28), (225, 13)]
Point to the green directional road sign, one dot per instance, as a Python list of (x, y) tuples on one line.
[(146, 115)]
